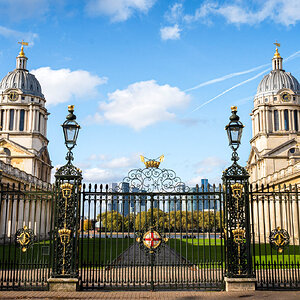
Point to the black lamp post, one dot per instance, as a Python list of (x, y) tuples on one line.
[(71, 130), (66, 214), (234, 131), (236, 209)]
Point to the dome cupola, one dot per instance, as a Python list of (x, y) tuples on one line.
[(20, 79), (277, 79)]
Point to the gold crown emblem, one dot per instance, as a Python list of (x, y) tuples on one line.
[(152, 163), (64, 235), (64, 231), (238, 234), (66, 186), (237, 190)]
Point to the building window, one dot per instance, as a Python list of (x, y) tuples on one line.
[(39, 122), (276, 120), (258, 119), (286, 119), (1, 121), (11, 119), (275, 98), (22, 115), (296, 119)]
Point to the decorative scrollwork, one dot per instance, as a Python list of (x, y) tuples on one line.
[(25, 238), (68, 170), (153, 180), (235, 170), (279, 239)]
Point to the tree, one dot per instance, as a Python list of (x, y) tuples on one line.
[(111, 221), (87, 224)]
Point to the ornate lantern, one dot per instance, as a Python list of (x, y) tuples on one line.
[(71, 129), (234, 129)]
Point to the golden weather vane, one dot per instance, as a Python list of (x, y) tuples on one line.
[(276, 44), (22, 48)]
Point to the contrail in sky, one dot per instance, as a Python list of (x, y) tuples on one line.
[(225, 77), (233, 87), (292, 56)]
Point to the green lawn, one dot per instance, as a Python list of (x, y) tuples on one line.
[(197, 251)]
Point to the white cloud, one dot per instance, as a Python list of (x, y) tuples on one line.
[(208, 168), (141, 104), (99, 175), (175, 13), (18, 35), (63, 84), (118, 10), (120, 162), (107, 169), (242, 12), (170, 32), (23, 9)]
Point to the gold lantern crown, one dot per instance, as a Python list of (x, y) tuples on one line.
[(152, 163)]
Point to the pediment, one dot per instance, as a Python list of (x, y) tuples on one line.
[(282, 149), (254, 156), (14, 148), (44, 155)]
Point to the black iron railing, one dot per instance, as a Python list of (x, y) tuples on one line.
[(275, 226)]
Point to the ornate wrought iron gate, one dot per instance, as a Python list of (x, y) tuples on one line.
[(25, 234), (151, 232)]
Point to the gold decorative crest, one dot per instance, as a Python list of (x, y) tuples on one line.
[(279, 239), (152, 239), (237, 190), (24, 237)]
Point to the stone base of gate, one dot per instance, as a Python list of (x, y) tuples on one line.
[(62, 284), (239, 284)]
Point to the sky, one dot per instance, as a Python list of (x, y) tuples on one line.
[(149, 77)]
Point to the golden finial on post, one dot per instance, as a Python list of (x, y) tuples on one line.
[(233, 108), (22, 48)]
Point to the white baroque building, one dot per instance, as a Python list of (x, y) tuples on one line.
[(23, 125), (275, 154)]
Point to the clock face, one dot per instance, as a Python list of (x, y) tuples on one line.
[(285, 97), (13, 96)]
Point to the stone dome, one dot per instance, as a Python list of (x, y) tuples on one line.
[(21, 79), (277, 80)]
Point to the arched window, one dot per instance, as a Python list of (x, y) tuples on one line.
[(276, 120), (22, 116), (11, 119), (296, 120), (286, 120)]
